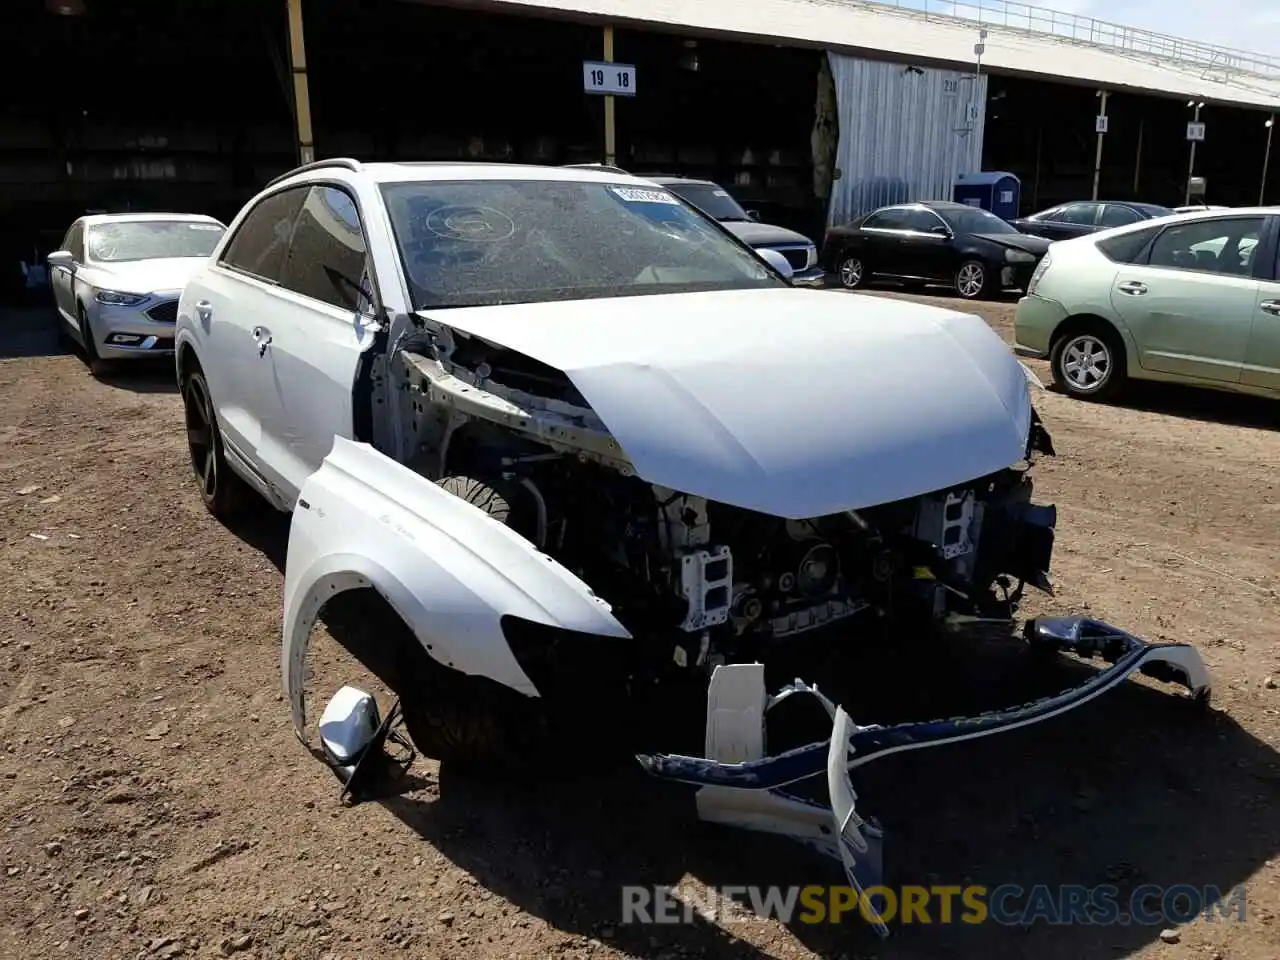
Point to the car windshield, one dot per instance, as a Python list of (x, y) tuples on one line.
[(152, 239), (712, 200), (482, 242), (975, 220)]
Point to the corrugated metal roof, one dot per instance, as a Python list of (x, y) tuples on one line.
[(881, 31)]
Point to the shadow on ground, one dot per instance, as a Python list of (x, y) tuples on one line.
[(1136, 788), (30, 331), (1198, 403)]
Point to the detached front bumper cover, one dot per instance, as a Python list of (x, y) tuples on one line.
[(743, 787)]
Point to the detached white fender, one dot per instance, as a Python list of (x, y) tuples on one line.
[(447, 568)]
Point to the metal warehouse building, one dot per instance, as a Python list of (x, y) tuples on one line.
[(810, 110)]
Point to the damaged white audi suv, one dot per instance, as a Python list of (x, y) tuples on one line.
[(580, 440)]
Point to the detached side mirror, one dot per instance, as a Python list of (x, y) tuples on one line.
[(60, 258), (777, 261), (753, 215)]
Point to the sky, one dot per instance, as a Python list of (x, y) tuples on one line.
[(1252, 25)]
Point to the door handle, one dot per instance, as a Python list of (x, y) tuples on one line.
[(263, 339), (1133, 288), (204, 310), (1271, 306)]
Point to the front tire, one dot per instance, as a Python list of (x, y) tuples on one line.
[(97, 366), (473, 723), (1088, 363), (973, 280), (222, 491)]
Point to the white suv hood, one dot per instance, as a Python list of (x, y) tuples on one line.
[(795, 403)]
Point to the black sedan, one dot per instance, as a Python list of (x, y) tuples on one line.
[(971, 250), (1077, 218)]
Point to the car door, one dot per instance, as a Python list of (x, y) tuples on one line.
[(881, 235), (1190, 305), (1262, 359), (230, 304), (313, 343), (62, 279), (927, 245)]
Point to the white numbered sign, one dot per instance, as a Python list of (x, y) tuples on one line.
[(610, 79)]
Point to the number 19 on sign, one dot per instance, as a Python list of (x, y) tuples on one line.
[(610, 79)]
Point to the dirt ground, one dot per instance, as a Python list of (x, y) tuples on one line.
[(155, 802)]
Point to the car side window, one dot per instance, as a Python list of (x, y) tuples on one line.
[(261, 241), (74, 242), (921, 221), (1210, 246), (1079, 213), (888, 220), (1117, 215), (1127, 247), (328, 258)]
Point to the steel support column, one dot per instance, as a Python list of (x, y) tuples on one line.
[(301, 95)]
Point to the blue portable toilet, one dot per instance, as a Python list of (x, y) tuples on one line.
[(996, 190)]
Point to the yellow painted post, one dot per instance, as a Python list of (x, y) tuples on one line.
[(610, 123), (301, 96)]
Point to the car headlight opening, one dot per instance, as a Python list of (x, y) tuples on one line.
[(115, 298)]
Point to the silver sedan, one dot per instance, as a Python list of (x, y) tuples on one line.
[(118, 277)]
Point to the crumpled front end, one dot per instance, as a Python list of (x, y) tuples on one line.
[(741, 786)]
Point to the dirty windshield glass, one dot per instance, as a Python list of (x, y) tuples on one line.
[(523, 241), (148, 239)]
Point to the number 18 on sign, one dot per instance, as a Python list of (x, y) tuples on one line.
[(610, 79)]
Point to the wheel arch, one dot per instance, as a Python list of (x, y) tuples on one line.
[(187, 360), (1086, 322), (448, 570)]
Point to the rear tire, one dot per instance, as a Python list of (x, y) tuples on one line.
[(1088, 362), (222, 491)]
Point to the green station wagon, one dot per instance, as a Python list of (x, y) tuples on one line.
[(1192, 298)]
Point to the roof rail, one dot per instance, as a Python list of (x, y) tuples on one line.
[(345, 163), (606, 167)]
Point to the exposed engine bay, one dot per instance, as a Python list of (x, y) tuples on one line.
[(723, 578)]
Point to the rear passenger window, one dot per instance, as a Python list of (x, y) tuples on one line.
[(1211, 246), (259, 245), (1127, 247), (327, 257), (1115, 215)]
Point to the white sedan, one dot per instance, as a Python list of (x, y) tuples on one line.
[(117, 278)]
